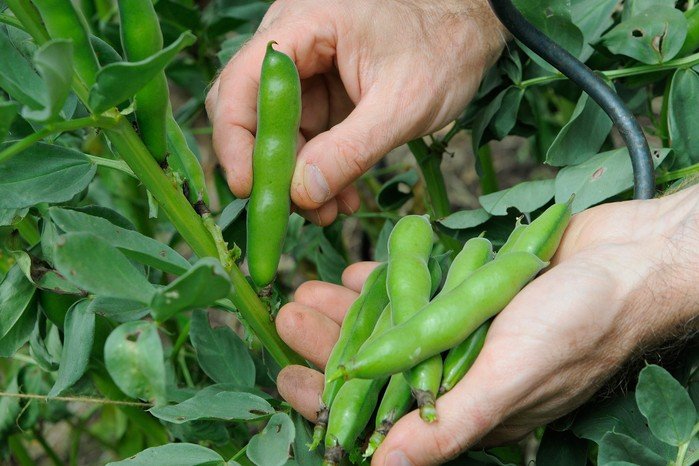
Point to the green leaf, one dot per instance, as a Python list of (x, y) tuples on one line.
[(8, 112), (505, 118), (11, 216), (381, 246), (397, 191), (119, 310), (237, 367), (465, 219), (17, 75), (174, 454), (54, 61), (582, 136), (483, 119), (231, 213), (199, 287), (552, 17), (683, 124), (666, 405), (634, 7), (271, 446), (651, 37), (79, 333), (525, 197), (94, 265), (119, 81), (593, 17), (214, 404), (561, 449), (329, 262), (43, 173), (16, 299), (620, 447), (20, 332), (133, 355), (599, 178), (132, 243)]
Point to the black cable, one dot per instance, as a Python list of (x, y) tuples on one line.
[(580, 74)]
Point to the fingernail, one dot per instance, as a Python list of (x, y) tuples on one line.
[(397, 458), (315, 183)]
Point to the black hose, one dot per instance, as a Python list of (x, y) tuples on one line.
[(580, 74)]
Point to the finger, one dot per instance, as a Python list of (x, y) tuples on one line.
[(327, 298), (234, 116), (315, 110), (322, 216), (307, 331), (356, 274), (348, 200), (334, 159), (301, 387), (211, 98)]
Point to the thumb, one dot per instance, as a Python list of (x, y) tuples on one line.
[(475, 406), (335, 158)]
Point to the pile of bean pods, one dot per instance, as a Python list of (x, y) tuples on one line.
[(405, 340)]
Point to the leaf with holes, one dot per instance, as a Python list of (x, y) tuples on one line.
[(599, 178), (526, 197), (133, 355), (653, 36)]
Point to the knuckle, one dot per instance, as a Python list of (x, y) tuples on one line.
[(448, 444)]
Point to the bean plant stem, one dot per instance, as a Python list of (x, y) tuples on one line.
[(429, 163), (677, 174), (19, 452), (240, 453), (29, 18), (52, 128), (488, 180), (687, 61), (75, 399), (682, 450)]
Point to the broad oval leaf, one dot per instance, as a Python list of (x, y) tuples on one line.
[(525, 197), (132, 243), (17, 76), (119, 81), (271, 446), (215, 405), (94, 265), (683, 123), (43, 173), (236, 368), (79, 333), (16, 298), (464, 219), (174, 454), (666, 405), (231, 212), (653, 36), (599, 178), (203, 284), (133, 355), (620, 447), (582, 136)]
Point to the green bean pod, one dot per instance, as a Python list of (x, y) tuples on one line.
[(357, 326), (409, 286), (141, 37), (353, 406), (447, 320), (460, 358), (63, 21), (514, 236), (396, 401), (274, 156), (543, 235)]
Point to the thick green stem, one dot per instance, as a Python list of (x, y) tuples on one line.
[(489, 182), (19, 452), (429, 162), (688, 61), (677, 174)]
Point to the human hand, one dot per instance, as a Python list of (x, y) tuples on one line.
[(374, 75), (624, 278)]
